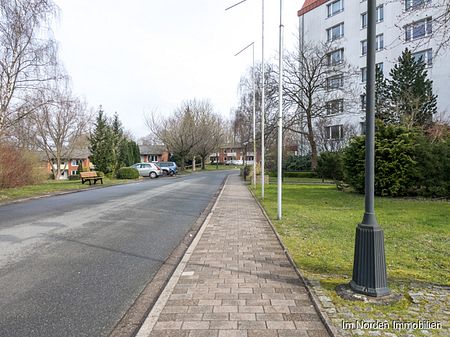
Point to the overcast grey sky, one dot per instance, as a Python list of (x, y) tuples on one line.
[(139, 55)]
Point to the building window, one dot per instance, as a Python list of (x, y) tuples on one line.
[(364, 71), (335, 82), (74, 163), (364, 74), (363, 127), (73, 173), (379, 14), (363, 101), (418, 29), (364, 47), (334, 132), (335, 107), (335, 32), (414, 4), (335, 7), (379, 44), (336, 57), (364, 20), (425, 56)]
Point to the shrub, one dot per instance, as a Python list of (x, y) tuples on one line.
[(19, 167), (329, 165), (298, 163), (127, 173), (100, 174), (395, 167), (74, 177), (433, 165), (406, 163)]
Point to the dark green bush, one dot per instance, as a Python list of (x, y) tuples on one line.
[(74, 177), (297, 163), (433, 168), (330, 166), (127, 173), (407, 163)]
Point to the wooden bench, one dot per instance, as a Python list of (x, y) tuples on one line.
[(91, 177)]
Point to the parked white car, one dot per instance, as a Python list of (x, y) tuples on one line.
[(151, 170)]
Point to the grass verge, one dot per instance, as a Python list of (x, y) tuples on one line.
[(50, 187), (318, 228)]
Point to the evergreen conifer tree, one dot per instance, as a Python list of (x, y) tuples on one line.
[(101, 144), (382, 98), (411, 92), (117, 141)]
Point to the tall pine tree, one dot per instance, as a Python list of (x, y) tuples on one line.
[(117, 140), (382, 98), (101, 144), (411, 92)]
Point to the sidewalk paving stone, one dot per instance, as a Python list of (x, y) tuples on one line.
[(237, 281)]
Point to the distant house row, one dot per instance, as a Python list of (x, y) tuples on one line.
[(70, 166), (151, 153)]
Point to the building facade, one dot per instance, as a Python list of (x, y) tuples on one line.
[(400, 24)]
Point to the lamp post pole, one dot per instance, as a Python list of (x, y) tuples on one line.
[(280, 114), (369, 265), (254, 106), (262, 103)]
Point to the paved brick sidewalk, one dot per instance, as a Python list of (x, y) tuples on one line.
[(237, 280)]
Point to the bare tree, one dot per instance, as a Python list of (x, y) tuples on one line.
[(179, 132), (210, 132), (440, 31), (243, 114), (313, 76), (27, 56), (441, 25), (59, 121)]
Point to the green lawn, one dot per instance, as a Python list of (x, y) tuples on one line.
[(318, 228), (49, 187)]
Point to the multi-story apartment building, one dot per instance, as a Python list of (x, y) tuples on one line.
[(400, 24)]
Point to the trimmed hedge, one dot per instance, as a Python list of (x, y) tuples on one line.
[(127, 173), (74, 177)]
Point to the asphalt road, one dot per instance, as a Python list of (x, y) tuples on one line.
[(71, 265)]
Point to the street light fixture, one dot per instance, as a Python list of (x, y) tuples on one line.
[(254, 110), (369, 265), (262, 98)]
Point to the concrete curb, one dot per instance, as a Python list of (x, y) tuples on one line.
[(312, 295), (147, 327)]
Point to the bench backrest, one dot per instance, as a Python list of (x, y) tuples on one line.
[(92, 174)]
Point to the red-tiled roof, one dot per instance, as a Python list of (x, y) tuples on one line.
[(309, 5)]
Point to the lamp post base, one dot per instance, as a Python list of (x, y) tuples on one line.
[(369, 265)]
